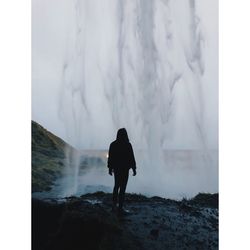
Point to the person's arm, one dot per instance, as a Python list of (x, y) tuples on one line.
[(110, 156), (133, 163)]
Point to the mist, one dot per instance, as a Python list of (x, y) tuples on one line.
[(148, 66)]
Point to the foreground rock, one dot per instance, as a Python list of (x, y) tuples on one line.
[(152, 223)]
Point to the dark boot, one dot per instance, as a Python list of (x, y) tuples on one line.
[(122, 212), (114, 207)]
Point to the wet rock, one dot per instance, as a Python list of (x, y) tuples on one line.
[(154, 233), (79, 223)]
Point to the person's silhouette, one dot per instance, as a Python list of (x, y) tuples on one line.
[(120, 160)]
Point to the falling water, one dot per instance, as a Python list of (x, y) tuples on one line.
[(144, 65)]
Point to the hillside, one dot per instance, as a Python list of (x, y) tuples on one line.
[(47, 157)]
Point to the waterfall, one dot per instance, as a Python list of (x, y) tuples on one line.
[(148, 66)]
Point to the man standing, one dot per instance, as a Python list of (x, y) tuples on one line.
[(120, 160)]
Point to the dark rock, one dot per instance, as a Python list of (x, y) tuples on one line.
[(154, 233), (79, 224), (206, 200)]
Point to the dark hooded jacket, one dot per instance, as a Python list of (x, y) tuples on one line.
[(121, 155)]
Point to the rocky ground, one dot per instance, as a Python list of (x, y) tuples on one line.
[(87, 222)]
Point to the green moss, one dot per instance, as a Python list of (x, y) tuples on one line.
[(47, 158)]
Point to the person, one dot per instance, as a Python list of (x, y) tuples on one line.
[(120, 160)]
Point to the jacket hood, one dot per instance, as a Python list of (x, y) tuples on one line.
[(122, 135)]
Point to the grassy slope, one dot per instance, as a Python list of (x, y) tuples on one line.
[(47, 157)]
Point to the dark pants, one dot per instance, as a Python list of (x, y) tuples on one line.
[(121, 179)]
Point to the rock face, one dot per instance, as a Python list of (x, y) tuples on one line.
[(47, 157), (87, 223)]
